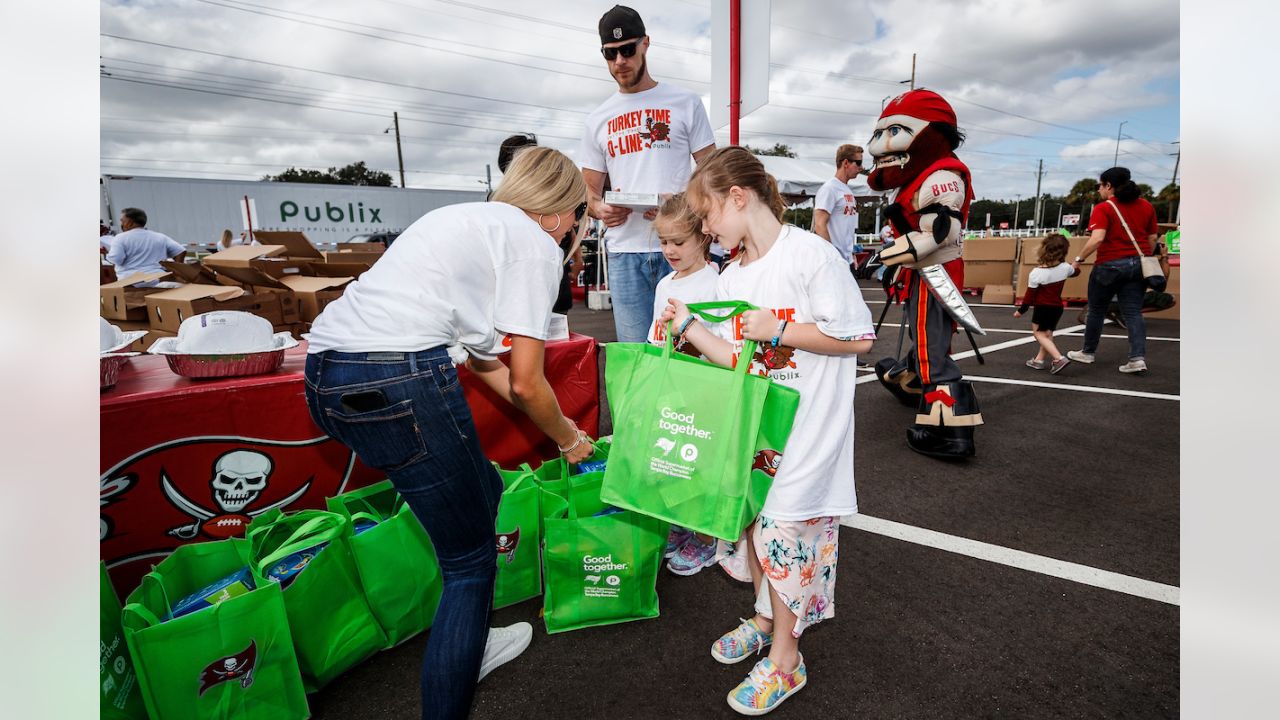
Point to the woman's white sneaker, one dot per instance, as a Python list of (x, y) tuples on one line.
[(504, 645), (1135, 365)]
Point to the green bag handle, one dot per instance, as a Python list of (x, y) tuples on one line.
[(370, 512), (297, 541), (703, 312), (366, 516), (141, 611)]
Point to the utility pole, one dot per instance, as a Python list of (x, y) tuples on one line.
[(488, 177), (913, 71), (1116, 159), (1039, 174), (399, 153), (1017, 205), (1176, 162)]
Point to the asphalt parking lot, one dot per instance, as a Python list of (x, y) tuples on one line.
[(1038, 580)]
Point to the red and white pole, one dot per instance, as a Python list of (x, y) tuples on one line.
[(735, 68)]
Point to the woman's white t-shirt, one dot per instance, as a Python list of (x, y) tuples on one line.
[(694, 288), (804, 280), (463, 274)]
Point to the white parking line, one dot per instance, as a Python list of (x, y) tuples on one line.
[(1074, 572), (1056, 333), (1077, 388)]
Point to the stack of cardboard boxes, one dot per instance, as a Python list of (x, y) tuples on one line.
[(988, 268), (289, 284)]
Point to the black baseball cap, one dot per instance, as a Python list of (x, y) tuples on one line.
[(620, 23)]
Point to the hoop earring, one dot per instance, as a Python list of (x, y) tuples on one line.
[(546, 229)]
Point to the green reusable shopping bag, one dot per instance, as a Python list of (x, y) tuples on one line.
[(120, 698), (600, 570), (550, 477), (233, 661), (694, 443), (395, 560), (332, 626), (516, 539)]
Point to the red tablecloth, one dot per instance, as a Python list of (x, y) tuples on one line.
[(193, 460)]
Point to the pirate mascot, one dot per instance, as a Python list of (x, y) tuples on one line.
[(929, 190)]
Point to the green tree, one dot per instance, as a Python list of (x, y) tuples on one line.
[(1084, 191), (353, 174), (1170, 193), (1145, 191), (778, 150)]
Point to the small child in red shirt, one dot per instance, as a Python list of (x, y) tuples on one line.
[(1044, 291)]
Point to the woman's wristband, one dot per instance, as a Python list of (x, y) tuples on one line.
[(581, 436), (684, 326)]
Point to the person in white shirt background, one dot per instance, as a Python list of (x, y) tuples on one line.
[(835, 209), (137, 249), (380, 380), (105, 236), (642, 138)]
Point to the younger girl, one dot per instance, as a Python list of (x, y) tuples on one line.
[(1044, 291), (814, 326), (686, 247)]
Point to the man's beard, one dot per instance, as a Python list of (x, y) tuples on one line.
[(640, 73)]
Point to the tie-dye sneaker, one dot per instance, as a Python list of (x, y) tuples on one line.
[(741, 643), (675, 538), (766, 687), (692, 556)]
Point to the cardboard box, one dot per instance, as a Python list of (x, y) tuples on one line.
[(335, 269), (1172, 313), (254, 280), (270, 259), (981, 273), (997, 295), (190, 272), (365, 247), (296, 244), (121, 300), (1174, 284), (990, 249), (166, 310), (314, 293), (106, 274), (350, 256)]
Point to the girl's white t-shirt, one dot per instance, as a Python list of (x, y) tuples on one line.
[(695, 288), (461, 275), (804, 280), (1048, 276)]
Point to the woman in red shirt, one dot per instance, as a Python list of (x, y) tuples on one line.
[(1117, 273)]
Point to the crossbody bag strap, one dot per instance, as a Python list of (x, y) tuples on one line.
[(1125, 225)]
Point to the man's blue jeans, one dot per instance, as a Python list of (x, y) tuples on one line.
[(633, 278), (405, 414), (1122, 279)]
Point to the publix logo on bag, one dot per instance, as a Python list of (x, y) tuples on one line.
[(600, 578)]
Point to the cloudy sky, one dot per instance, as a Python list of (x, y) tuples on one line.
[(239, 88)]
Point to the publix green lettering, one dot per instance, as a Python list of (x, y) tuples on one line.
[(353, 213)]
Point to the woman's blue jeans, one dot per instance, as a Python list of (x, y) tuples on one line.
[(405, 414), (1122, 279)]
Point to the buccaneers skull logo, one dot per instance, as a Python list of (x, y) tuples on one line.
[(507, 543), (236, 667), (239, 477)]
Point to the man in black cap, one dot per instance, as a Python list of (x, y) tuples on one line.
[(641, 138)]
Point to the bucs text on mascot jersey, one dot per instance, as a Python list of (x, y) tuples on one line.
[(929, 190)]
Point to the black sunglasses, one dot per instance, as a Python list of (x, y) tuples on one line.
[(579, 211), (628, 50)]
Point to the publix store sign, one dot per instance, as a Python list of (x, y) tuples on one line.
[(350, 213)]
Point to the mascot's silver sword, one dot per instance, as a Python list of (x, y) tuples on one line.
[(948, 294)]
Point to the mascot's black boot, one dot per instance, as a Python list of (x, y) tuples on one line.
[(944, 426), (899, 381)]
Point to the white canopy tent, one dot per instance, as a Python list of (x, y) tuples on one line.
[(799, 180)]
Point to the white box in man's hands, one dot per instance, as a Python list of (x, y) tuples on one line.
[(632, 200)]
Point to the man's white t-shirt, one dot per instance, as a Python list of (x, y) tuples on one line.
[(804, 280), (461, 275), (694, 288), (644, 141), (837, 199), (141, 250)]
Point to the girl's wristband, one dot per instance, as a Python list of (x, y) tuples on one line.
[(684, 326), (777, 336)]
